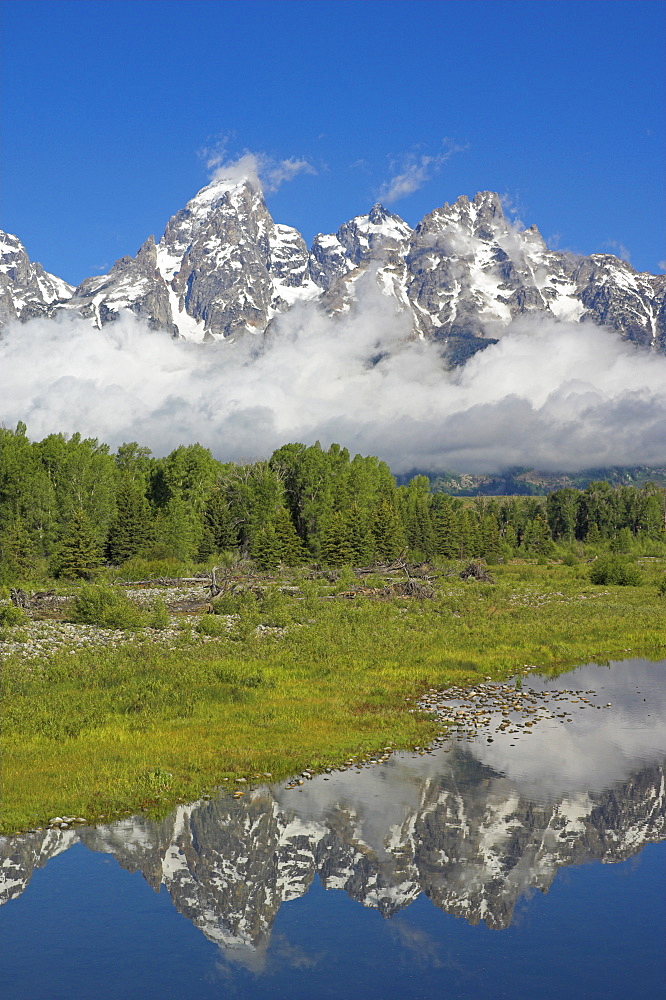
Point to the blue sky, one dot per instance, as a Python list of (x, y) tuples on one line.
[(111, 111)]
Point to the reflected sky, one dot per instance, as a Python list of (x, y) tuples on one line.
[(468, 833)]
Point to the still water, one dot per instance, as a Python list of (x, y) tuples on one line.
[(526, 860)]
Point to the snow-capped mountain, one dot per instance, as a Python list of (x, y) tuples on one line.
[(26, 289), (224, 268)]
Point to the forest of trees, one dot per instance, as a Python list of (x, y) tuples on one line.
[(69, 506)]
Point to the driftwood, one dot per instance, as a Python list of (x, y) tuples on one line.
[(476, 571), (34, 599), (410, 588), (420, 570), (20, 598), (163, 581)]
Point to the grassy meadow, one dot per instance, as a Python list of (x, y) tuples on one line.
[(113, 729)]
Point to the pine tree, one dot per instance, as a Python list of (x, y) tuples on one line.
[(446, 528), (360, 537), (131, 528), (390, 538), (219, 530), (17, 551), (536, 537), (80, 553), (178, 531), (490, 538), (335, 549), (290, 547), (265, 548)]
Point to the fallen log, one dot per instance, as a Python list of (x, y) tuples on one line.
[(164, 581)]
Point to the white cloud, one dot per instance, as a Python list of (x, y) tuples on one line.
[(513, 210), (414, 170), (598, 748), (549, 395), (619, 250), (263, 171)]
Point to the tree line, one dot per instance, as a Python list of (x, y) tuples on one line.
[(69, 506)]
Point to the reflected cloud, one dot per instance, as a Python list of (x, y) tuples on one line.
[(475, 827)]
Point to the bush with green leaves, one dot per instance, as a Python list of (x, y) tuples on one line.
[(158, 616), (235, 602), (661, 587), (10, 615), (213, 625), (275, 608), (107, 607), (615, 571)]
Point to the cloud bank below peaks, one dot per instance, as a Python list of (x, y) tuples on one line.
[(549, 395)]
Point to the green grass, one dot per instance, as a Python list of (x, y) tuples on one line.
[(108, 731)]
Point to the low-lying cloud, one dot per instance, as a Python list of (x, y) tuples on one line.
[(549, 395)]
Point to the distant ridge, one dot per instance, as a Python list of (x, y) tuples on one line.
[(530, 482)]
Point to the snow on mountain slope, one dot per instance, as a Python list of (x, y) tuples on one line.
[(224, 268), (26, 289)]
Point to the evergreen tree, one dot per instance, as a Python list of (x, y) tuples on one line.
[(335, 549), (415, 502), (562, 513), (178, 531), (468, 533), (510, 538), (131, 529), (17, 551), (265, 548), (536, 537), (80, 554), (446, 527), (219, 530), (387, 527), (290, 547), (490, 538), (359, 535)]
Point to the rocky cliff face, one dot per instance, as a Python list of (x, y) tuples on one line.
[(26, 289), (462, 834), (224, 268)]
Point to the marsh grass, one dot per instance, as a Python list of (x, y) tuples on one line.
[(110, 730)]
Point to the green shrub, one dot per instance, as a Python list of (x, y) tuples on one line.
[(212, 625), (244, 627), (661, 587), (275, 608), (11, 615), (235, 602), (107, 607), (570, 559), (615, 571), (158, 616)]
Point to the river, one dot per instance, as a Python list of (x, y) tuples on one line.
[(523, 857)]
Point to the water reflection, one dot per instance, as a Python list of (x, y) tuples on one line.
[(473, 825)]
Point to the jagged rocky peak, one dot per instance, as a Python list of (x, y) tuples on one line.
[(26, 289), (224, 268), (376, 231), (363, 238), (480, 219)]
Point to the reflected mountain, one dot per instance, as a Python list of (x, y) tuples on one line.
[(471, 826)]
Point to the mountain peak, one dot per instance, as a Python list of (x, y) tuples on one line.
[(488, 200), (224, 268), (377, 214)]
